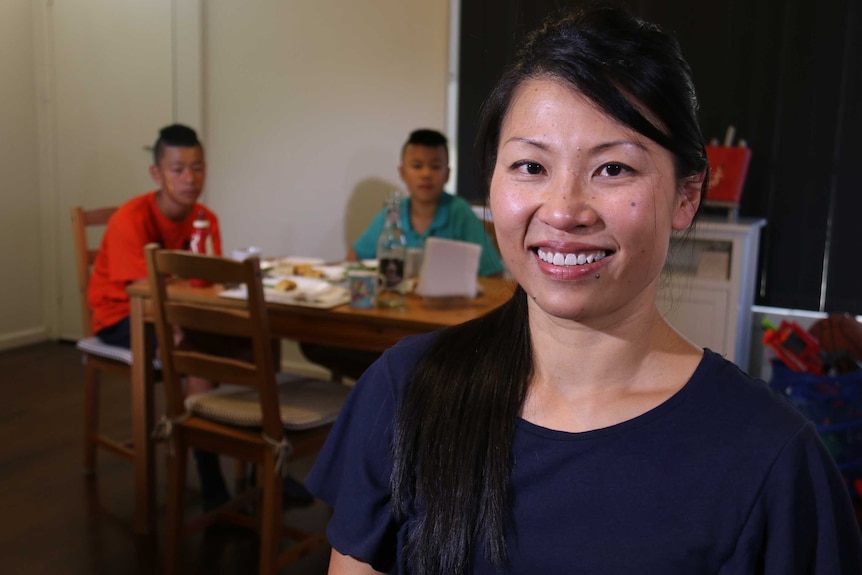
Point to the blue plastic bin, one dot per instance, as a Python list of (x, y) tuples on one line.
[(834, 404)]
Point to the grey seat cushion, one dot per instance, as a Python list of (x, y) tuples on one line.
[(304, 403), (94, 346)]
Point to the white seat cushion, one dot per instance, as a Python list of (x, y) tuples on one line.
[(94, 346), (305, 403)]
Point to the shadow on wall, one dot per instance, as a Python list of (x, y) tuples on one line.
[(367, 198)]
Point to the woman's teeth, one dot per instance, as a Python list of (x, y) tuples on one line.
[(561, 259)]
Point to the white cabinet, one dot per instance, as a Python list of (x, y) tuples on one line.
[(708, 285)]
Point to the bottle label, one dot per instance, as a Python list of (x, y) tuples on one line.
[(196, 244), (201, 243), (391, 273)]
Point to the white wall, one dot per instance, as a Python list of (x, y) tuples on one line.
[(307, 105), (107, 98), (21, 305)]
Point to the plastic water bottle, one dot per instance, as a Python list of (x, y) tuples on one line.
[(201, 243), (391, 255)]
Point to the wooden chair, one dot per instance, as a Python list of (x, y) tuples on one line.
[(98, 357), (263, 423), (101, 358)]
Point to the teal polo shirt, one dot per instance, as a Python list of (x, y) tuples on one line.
[(453, 220)]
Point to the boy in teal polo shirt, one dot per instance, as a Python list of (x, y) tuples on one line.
[(428, 211)]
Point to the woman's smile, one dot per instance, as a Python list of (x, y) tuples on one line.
[(569, 263)]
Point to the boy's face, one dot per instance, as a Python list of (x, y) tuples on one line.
[(424, 170), (180, 174)]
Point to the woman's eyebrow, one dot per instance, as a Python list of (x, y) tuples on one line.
[(595, 149), (619, 143), (528, 141)]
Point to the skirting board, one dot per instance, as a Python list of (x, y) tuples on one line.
[(22, 338)]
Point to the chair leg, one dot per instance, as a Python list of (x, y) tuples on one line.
[(91, 416), (177, 464), (270, 514), (240, 476)]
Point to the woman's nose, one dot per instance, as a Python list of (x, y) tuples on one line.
[(568, 204)]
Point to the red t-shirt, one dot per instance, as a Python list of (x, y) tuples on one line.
[(135, 224)]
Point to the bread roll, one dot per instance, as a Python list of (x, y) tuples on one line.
[(285, 285), (307, 271)]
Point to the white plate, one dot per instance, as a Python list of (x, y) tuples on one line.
[(309, 292), (307, 286), (299, 260), (333, 273), (369, 263)]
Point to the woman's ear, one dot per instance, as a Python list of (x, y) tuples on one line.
[(688, 201)]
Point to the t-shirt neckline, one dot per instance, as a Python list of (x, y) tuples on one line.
[(705, 365)]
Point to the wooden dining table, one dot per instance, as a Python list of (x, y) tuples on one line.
[(374, 329)]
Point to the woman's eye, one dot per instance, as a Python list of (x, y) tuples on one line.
[(531, 168), (613, 170)]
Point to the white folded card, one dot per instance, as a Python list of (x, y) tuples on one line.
[(449, 269)]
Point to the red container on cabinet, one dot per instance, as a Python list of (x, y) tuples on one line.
[(728, 167)]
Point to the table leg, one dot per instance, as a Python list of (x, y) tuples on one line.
[(143, 352)]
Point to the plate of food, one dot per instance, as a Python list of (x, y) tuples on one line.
[(297, 266), (297, 290)]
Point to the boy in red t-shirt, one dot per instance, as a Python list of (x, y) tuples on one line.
[(164, 216)]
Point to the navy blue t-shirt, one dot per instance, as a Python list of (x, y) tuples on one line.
[(725, 477)]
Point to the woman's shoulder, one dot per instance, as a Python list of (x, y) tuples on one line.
[(398, 363), (736, 400), (409, 349)]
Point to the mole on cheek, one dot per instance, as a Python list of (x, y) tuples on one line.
[(634, 204)]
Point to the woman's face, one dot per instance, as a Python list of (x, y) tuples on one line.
[(583, 206)]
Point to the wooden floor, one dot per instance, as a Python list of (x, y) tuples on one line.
[(56, 519)]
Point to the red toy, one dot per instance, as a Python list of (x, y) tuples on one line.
[(798, 349)]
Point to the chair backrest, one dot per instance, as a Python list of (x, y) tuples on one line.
[(217, 317), (85, 255)]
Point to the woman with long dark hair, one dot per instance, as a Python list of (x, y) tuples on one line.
[(573, 430)]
